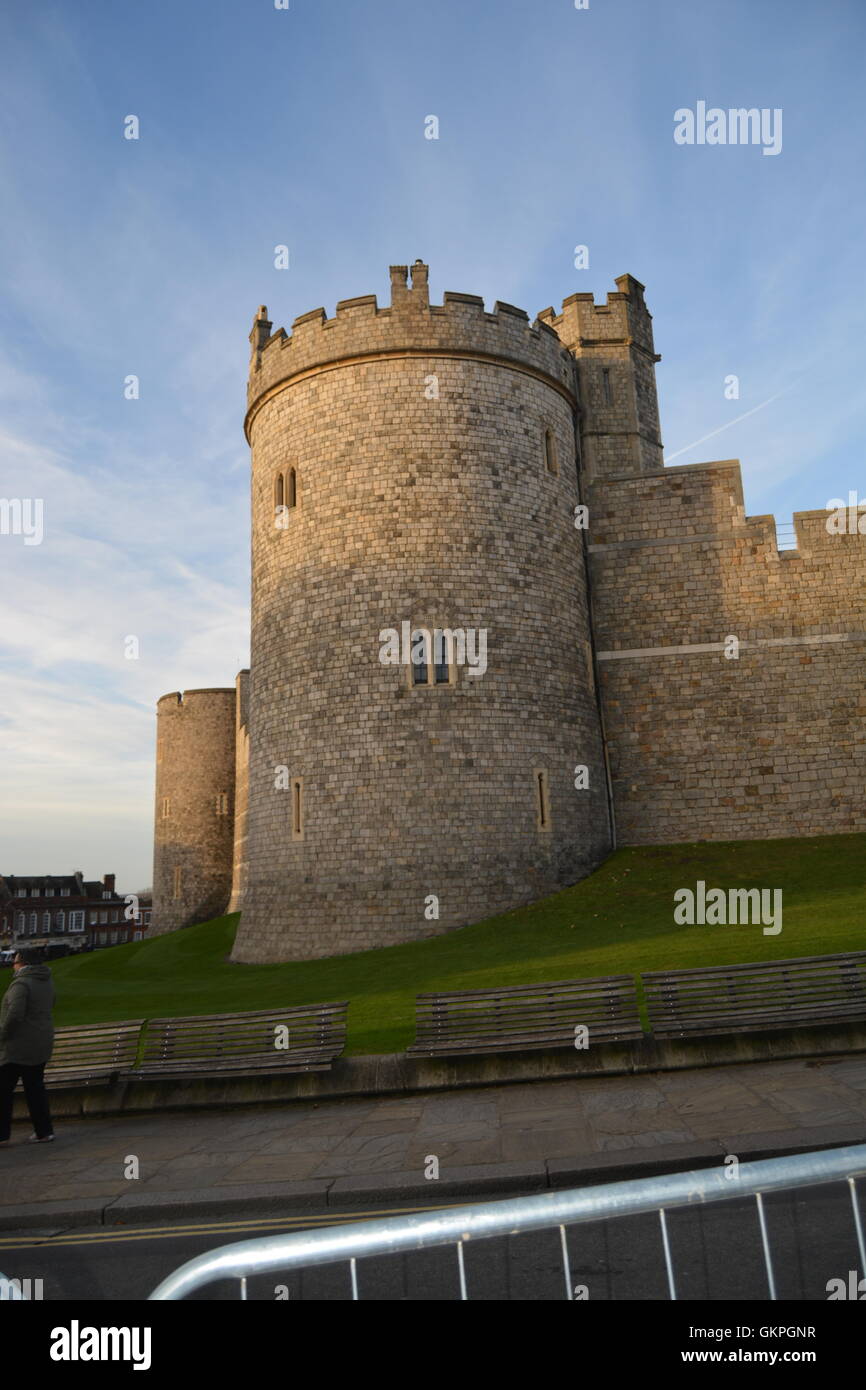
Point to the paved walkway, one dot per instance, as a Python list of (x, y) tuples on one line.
[(308, 1155)]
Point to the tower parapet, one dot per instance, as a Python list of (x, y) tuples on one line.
[(361, 331)]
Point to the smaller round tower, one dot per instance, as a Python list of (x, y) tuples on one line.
[(194, 813)]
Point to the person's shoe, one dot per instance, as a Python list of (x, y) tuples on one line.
[(46, 1139)]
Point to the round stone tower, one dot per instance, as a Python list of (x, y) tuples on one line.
[(194, 813), (414, 469)]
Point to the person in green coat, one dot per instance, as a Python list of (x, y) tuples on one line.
[(26, 1041)]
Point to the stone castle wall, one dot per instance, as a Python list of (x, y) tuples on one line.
[(194, 830), (702, 746)]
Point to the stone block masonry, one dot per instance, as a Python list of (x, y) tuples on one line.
[(770, 742)]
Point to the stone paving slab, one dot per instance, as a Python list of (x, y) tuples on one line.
[(578, 1128)]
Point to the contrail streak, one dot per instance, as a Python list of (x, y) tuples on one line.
[(722, 428)]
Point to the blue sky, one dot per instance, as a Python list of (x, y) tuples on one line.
[(306, 127)]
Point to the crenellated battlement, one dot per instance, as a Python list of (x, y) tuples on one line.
[(813, 531), (361, 329), (622, 320), (705, 502)]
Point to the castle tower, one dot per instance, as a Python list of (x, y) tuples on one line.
[(619, 412), (194, 821), (414, 468)]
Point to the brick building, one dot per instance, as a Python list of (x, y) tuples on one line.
[(47, 909)]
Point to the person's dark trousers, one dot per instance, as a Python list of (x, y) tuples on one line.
[(34, 1093)]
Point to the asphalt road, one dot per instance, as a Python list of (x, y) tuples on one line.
[(717, 1255)]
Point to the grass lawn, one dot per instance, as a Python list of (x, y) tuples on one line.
[(619, 919)]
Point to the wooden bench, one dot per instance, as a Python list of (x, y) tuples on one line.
[(802, 992), (526, 1017), (92, 1053), (245, 1044)]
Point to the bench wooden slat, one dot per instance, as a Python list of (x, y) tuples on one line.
[(234, 1044), (93, 1052), (559, 987), (855, 957), (206, 1022), (797, 992), (526, 1016)]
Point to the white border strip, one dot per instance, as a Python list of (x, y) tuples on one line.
[(698, 648)]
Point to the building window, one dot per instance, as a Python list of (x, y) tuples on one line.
[(443, 656), (542, 799), (46, 921), (64, 892), (34, 923), (114, 938), (222, 803), (76, 921), (297, 808), (420, 653), (177, 881), (21, 923), (166, 807), (106, 893), (34, 893), (136, 936), (605, 386), (285, 497), (113, 917), (103, 917), (60, 920), (550, 455), (432, 657)]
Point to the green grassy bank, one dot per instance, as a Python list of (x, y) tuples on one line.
[(619, 919)]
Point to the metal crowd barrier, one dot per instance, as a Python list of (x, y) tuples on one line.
[(481, 1220)]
